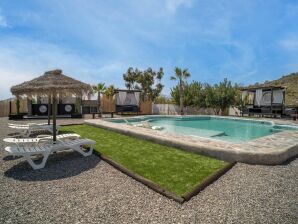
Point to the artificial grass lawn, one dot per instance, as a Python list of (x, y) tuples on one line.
[(173, 169)]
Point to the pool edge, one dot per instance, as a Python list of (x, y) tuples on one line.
[(253, 152)]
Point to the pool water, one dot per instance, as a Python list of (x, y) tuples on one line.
[(232, 130)]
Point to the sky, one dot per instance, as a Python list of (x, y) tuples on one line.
[(246, 41)]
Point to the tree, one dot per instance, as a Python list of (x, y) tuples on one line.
[(146, 79), (221, 96), (218, 96), (227, 93), (149, 81), (162, 100), (110, 91), (188, 95), (181, 76), (130, 78), (240, 100), (197, 93), (212, 98), (99, 89)]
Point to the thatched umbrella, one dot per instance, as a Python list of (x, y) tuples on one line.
[(52, 84)]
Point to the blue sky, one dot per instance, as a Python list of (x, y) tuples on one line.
[(96, 41)]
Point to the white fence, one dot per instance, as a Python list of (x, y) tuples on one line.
[(197, 110), (234, 111), (171, 109), (165, 109)]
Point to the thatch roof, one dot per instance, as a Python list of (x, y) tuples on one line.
[(52, 82)]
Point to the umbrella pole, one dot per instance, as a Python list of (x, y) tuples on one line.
[(49, 109), (54, 117)]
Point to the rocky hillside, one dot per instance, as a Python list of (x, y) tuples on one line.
[(291, 83)]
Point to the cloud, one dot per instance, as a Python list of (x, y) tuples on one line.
[(3, 21), (290, 43), (98, 41), (173, 5), (289, 47), (23, 59)]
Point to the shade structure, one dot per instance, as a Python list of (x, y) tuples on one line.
[(52, 84)]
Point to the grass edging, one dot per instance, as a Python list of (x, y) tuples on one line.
[(215, 176), (141, 179), (161, 190)]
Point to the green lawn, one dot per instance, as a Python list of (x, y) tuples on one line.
[(175, 170)]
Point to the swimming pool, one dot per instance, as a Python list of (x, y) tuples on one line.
[(252, 141), (231, 130)]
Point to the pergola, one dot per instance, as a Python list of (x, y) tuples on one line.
[(127, 100), (51, 84), (266, 99)]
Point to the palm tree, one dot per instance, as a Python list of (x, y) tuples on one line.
[(99, 89), (110, 91), (181, 76)]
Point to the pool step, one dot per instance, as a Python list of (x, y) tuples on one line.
[(194, 132), (220, 134)]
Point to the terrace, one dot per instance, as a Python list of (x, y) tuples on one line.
[(182, 178), (76, 189), (176, 111)]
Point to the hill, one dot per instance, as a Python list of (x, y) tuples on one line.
[(290, 82)]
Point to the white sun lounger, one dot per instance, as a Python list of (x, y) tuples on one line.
[(28, 129), (47, 149), (39, 138), (25, 125)]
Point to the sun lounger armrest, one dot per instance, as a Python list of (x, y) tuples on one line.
[(14, 143), (45, 141), (17, 134)]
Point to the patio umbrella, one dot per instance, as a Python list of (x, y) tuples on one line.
[(52, 84)]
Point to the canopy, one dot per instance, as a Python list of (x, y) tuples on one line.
[(52, 84), (127, 97)]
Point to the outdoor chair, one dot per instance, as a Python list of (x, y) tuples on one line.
[(39, 138), (48, 148), (27, 129)]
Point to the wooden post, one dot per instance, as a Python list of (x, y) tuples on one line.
[(54, 117), (49, 109), (81, 107), (284, 101), (18, 105), (271, 100), (29, 106), (9, 106)]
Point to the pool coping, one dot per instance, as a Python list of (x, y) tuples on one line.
[(268, 150)]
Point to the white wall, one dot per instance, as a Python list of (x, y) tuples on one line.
[(171, 109), (165, 109), (234, 111)]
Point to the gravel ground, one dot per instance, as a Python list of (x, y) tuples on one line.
[(74, 189)]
